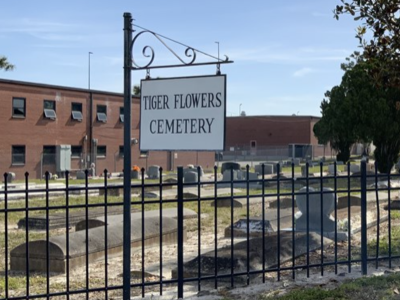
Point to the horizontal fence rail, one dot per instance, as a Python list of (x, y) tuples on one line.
[(194, 230)]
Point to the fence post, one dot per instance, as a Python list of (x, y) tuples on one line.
[(364, 250), (180, 232)]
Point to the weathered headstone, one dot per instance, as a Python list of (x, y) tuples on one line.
[(135, 174), (190, 177), (229, 166), (10, 177), (296, 161), (316, 202), (354, 168), (331, 169), (239, 175), (230, 175), (258, 169), (269, 169), (80, 174), (153, 172)]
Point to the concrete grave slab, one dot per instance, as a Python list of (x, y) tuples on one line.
[(97, 244), (59, 220), (285, 202), (225, 260), (344, 201), (189, 192), (237, 202), (118, 218)]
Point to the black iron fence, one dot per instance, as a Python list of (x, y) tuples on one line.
[(192, 232)]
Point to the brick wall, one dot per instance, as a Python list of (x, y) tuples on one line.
[(35, 131), (269, 130)]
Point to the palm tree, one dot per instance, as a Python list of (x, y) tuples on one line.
[(4, 64)]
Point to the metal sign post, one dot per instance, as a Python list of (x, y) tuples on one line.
[(131, 65), (127, 157)]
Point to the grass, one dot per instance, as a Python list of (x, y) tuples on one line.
[(367, 288)]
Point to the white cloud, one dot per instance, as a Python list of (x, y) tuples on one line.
[(303, 72)]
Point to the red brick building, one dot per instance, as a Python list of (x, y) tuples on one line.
[(285, 136), (53, 128)]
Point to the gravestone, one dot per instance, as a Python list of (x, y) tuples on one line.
[(331, 169), (314, 210), (239, 175), (196, 169), (258, 169), (229, 166), (269, 168), (190, 177), (355, 168), (153, 172), (296, 161), (10, 177), (230, 175), (80, 174), (200, 168), (136, 174), (304, 171)]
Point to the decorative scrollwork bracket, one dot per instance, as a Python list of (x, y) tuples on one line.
[(189, 59)]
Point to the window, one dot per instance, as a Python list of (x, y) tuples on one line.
[(102, 113), (49, 155), (49, 109), (121, 150), (121, 114), (18, 155), (101, 151), (76, 151), (76, 111), (19, 109), (144, 153)]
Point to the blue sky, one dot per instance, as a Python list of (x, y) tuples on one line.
[(286, 53)]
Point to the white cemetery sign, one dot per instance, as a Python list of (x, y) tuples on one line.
[(186, 113)]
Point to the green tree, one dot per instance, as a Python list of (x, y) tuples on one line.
[(376, 114), (379, 36), (5, 65), (359, 110), (336, 125)]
